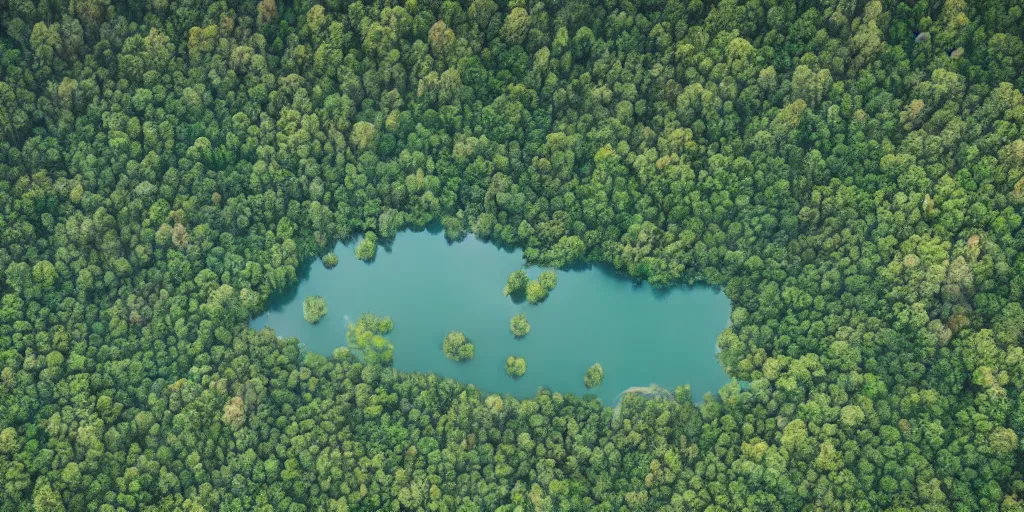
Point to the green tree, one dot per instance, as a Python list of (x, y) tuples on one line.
[(519, 326), (850, 174), (516, 285), (366, 250), (314, 308), (515, 367), (548, 279), (441, 39), (364, 136), (46, 499), (330, 260), (366, 337), (594, 376), (536, 292), (457, 347), (44, 273), (517, 23)]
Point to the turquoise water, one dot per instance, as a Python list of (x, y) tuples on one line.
[(428, 288)]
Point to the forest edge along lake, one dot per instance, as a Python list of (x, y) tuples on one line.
[(429, 287)]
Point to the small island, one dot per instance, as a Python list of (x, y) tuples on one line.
[(519, 326), (330, 260), (366, 338), (366, 250), (515, 367), (457, 348), (516, 285), (548, 279), (594, 376), (314, 308), (537, 291)]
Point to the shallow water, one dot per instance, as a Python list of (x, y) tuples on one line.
[(428, 288)]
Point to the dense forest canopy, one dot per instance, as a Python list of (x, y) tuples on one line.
[(850, 172)]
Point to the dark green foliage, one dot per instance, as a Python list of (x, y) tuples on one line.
[(851, 174)]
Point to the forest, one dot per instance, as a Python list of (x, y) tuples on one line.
[(849, 172)]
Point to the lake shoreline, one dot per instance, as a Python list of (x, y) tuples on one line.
[(429, 287)]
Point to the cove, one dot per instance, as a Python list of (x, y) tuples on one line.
[(430, 287)]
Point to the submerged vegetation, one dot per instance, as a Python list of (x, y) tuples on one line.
[(366, 338), (314, 308), (851, 174)]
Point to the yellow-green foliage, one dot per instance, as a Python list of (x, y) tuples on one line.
[(457, 347), (314, 308), (519, 325), (515, 367)]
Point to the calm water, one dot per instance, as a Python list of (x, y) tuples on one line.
[(429, 288)]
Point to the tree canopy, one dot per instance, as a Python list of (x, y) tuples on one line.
[(519, 325), (594, 376), (366, 338), (516, 285), (314, 308), (330, 260), (366, 249), (849, 173), (536, 292), (515, 367), (548, 279), (456, 347)]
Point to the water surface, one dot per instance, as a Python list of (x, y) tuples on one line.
[(428, 288)]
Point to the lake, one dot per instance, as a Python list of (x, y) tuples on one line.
[(429, 287)]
